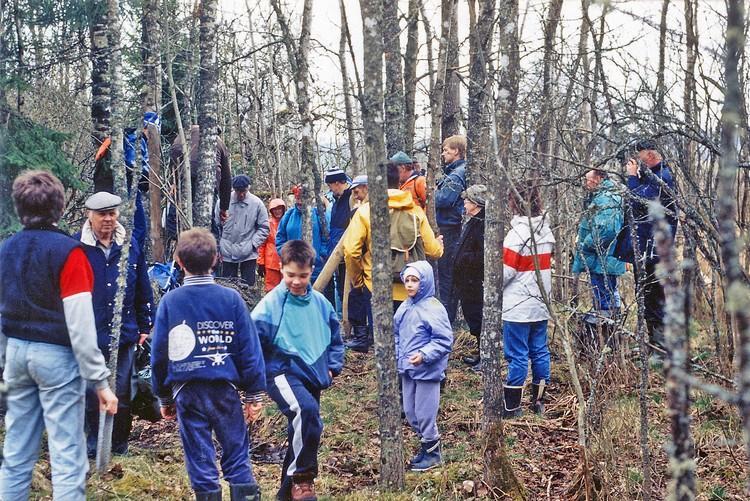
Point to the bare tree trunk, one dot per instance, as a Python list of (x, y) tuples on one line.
[(478, 125), (451, 116), (208, 109), (689, 94), (151, 101), (117, 163), (410, 75), (437, 97), (101, 99), (394, 79), (498, 472), (660, 86), (681, 450), (346, 88), (298, 52), (737, 300), (182, 176), (389, 410)]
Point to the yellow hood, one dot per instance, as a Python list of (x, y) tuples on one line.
[(400, 200)]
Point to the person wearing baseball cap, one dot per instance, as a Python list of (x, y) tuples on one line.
[(411, 178), (103, 237)]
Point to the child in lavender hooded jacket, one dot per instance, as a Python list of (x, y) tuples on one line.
[(424, 339)]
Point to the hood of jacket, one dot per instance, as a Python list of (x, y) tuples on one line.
[(536, 225), (276, 202), (423, 271), (400, 200), (89, 238)]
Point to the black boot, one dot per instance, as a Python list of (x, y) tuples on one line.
[(537, 397), (512, 399), (208, 496), (244, 492), (359, 341)]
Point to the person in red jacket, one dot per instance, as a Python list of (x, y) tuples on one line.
[(269, 264)]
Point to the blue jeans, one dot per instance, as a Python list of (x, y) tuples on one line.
[(45, 390), (204, 407), (524, 342), (604, 291)]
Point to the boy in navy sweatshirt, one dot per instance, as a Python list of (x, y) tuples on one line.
[(302, 346), (205, 349)]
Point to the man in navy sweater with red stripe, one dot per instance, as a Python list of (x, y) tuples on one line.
[(48, 319), (205, 348)]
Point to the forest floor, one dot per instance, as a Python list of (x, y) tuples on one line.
[(544, 452)]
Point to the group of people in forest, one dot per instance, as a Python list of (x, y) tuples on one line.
[(212, 360)]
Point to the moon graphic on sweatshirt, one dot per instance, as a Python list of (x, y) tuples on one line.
[(181, 342)]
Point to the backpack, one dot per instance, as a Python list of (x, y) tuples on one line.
[(406, 242)]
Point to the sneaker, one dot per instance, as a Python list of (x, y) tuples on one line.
[(431, 457), (304, 491)]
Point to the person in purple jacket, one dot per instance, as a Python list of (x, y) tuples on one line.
[(424, 339)]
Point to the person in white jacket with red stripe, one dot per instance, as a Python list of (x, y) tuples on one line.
[(527, 281)]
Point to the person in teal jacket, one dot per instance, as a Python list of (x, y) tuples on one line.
[(601, 222)]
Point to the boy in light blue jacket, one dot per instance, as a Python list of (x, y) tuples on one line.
[(424, 339)]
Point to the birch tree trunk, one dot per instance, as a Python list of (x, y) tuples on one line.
[(347, 90), (498, 472), (660, 86), (394, 79), (117, 163), (101, 99), (151, 101), (208, 108), (451, 116), (478, 125), (389, 410), (681, 449), (737, 290), (411, 58)]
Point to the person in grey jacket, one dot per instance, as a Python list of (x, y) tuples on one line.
[(243, 232)]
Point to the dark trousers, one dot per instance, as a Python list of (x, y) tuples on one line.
[(472, 304), (653, 299), (246, 269), (123, 419), (204, 407), (451, 235), (301, 406), (340, 277), (360, 308)]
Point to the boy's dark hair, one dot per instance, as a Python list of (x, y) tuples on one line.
[(297, 251), (528, 201), (601, 174), (196, 249), (39, 198), (393, 176)]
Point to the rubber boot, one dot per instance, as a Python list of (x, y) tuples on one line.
[(358, 342), (244, 492), (208, 496), (512, 401), (537, 397), (431, 457)]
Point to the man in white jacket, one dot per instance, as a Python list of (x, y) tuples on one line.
[(243, 232), (527, 264)]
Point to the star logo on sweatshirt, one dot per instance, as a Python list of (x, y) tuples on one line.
[(215, 358)]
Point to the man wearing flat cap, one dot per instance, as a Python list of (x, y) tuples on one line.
[(468, 268), (102, 237)]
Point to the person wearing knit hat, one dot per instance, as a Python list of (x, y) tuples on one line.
[(468, 267), (410, 178), (341, 213), (269, 263)]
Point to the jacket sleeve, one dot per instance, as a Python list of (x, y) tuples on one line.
[(441, 334), (144, 296), (249, 359), (432, 247), (281, 234), (509, 271), (336, 348), (355, 242), (262, 251), (262, 229), (649, 184), (420, 187), (449, 192), (263, 322), (159, 350)]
